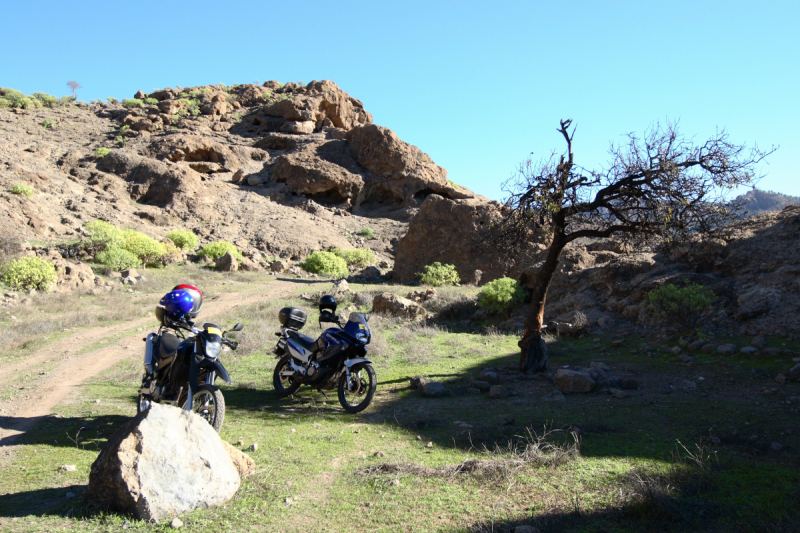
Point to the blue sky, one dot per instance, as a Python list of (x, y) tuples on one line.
[(476, 85)]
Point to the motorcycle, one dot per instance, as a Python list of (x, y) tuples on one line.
[(336, 359), (180, 370)]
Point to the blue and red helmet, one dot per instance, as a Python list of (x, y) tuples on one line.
[(197, 298), (177, 303)]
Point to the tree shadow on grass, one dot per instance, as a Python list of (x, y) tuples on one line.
[(51, 430)]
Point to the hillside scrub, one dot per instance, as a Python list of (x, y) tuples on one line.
[(213, 250), (118, 259), (23, 190), (28, 273), (685, 307), (147, 249), (104, 235), (501, 295), (326, 263), (438, 274), (183, 239), (357, 257)]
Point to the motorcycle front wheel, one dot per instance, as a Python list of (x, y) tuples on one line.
[(284, 385), (209, 403), (357, 395), (143, 403)]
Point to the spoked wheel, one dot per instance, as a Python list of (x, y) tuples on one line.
[(284, 385), (209, 403), (356, 395), (143, 403)]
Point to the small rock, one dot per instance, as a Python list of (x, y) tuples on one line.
[(748, 350), (685, 358), (395, 483), (176, 523), (418, 382), (434, 389), (379, 454), (490, 375), (240, 443), (498, 391), (254, 447), (555, 396), (295, 431), (481, 385), (676, 350), (599, 366), (419, 437), (573, 381), (616, 393), (97, 401), (473, 390), (759, 341), (780, 378), (689, 385), (776, 446), (288, 501), (68, 468), (126, 524), (727, 349), (429, 445), (70, 495), (696, 345), (628, 384), (709, 347)]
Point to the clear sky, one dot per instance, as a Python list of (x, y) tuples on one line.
[(476, 85)]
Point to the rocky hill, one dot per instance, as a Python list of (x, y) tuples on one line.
[(756, 202), (283, 169)]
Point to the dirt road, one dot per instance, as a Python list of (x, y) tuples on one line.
[(51, 375)]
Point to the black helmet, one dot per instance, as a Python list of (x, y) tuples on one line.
[(327, 302)]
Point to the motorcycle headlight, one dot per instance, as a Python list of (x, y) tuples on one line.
[(213, 348)]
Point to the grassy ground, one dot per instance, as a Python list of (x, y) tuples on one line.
[(664, 458)]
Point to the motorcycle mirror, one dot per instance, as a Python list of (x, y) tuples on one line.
[(366, 317), (238, 327)]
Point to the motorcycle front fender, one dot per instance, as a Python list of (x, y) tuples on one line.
[(357, 362), (215, 366)]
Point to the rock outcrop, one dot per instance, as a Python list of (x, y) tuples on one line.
[(163, 462), (392, 304), (448, 231)]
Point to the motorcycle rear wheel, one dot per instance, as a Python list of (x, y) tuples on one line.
[(209, 403), (284, 385), (363, 389)]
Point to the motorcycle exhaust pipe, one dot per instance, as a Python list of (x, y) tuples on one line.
[(149, 348)]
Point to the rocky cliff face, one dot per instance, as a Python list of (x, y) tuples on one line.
[(285, 169)]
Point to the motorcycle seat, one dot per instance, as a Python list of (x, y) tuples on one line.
[(303, 340), (168, 346)]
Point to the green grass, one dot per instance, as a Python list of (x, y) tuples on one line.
[(323, 464)]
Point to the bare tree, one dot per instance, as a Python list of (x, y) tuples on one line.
[(659, 189), (74, 85)]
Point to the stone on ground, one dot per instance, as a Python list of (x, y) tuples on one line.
[(392, 304), (570, 381)]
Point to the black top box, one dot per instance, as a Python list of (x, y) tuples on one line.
[(292, 317)]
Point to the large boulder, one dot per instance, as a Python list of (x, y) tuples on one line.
[(448, 231), (400, 172), (317, 101), (392, 304), (163, 462), (226, 263), (201, 154)]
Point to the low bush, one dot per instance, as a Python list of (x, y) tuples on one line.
[(357, 257), (118, 259), (147, 249), (151, 101), (23, 190), (183, 239), (438, 274), (104, 235), (326, 263), (101, 152), (685, 307), (501, 295), (48, 123), (29, 273), (132, 102), (111, 100), (366, 232), (218, 249), (46, 99)]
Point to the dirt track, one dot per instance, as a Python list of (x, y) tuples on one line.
[(48, 387)]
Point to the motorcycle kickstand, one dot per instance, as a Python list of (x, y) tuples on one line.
[(323, 393)]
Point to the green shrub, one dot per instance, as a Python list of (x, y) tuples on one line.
[(66, 100), (438, 274), (218, 249), (147, 249), (48, 123), (132, 102), (104, 235), (183, 239), (684, 306), (118, 259), (366, 232), (172, 254), (29, 273), (501, 295), (151, 101), (46, 99), (23, 190), (357, 257), (101, 152), (112, 100), (326, 263)]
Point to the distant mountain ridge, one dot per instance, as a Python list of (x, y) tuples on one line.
[(756, 202)]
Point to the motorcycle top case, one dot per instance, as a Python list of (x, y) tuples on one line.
[(291, 317)]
